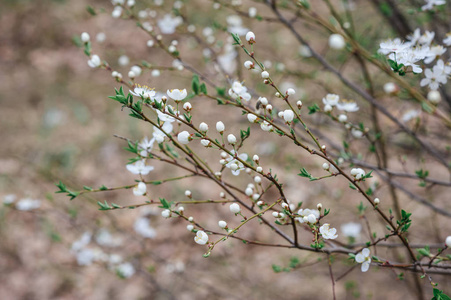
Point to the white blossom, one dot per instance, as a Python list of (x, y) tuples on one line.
[(142, 91), (168, 24), (140, 189), (177, 95), (431, 3), (331, 99), (139, 167), (351, 229), (94, 61), (364, 258), (328, 233), (348, 106), (201, 237), (28, 204), (125, 270), (143, 228)]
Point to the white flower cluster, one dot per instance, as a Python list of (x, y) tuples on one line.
[(420, 47)]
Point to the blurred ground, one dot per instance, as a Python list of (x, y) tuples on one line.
[(57, 124)]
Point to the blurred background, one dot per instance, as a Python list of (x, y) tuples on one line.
[(58, 124)]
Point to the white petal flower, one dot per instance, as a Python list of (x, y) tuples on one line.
[(125, 270), (177, 95), (140, 189), (28, 204), (364, 258), (168, 24), (94, 62), (142, 91), (220, 127), (348, 106), (145, 146), (328, 233), (139, 167), (351, 229), (331, 99), (143, 228), (201, 237)]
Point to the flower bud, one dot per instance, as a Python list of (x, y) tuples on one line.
[(284, 205), (260, 203), (319, 206), (326, 166), (288, 115), (342, 118), (263, 101), (377, 201), (203, 127), (184, 137), (336, 41), (131, 74), (188, 193), (251, 118), (291, 92), (269, 107), (250, 37), (231, 139), (275, 214), (259, 169), (434, 97), (187, 106), (85, 37), (256, 158), (265, 75), (448, 241), (249, 191), (249, 65), (327, 108), (235, 208), (222, 224), (190, 219), (299, 104), (205, 142), (220, 127), (189, 227), (257, 179), (166, 213)]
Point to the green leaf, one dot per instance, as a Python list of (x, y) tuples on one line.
[(165, 203), (195, 85), (203, 89), (221, 91), (276, 268), (313, 109), (91, 10)]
